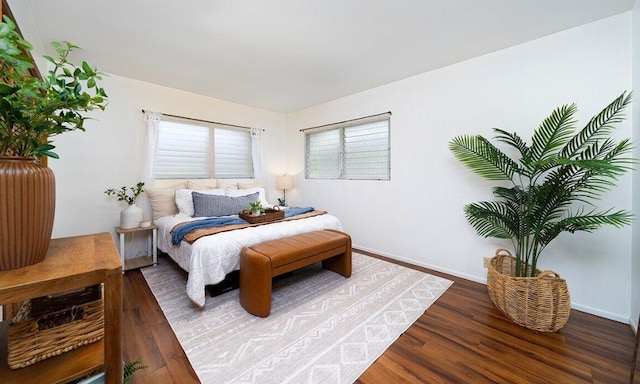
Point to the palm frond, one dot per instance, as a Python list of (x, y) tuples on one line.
[(513, 140), (482, 157), (598, 167), (553, 133), (492, 219), (585, 222), (600, 126), (558, 179)]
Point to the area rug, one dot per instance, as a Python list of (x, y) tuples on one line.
[(323, 328)]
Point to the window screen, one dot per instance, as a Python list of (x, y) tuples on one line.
[(356, 150)]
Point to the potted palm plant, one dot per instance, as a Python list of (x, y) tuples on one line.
[(32, 110), (550, 188)]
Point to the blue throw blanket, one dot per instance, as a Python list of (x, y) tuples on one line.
[(178, 233)]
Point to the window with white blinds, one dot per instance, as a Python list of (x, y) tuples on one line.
[(354, 150), (194, 150)]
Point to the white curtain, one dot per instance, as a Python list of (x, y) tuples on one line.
[(152, 121), (256, 153)]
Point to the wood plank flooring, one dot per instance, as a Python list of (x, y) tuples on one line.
[(461, 338)]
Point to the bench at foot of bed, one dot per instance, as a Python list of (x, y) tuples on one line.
[(261, 262)]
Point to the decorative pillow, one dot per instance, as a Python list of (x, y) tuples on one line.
[(201, 184), (248, 191), (249, 185), (215, 205), (168, 183), (226, 184), (184, 199), (163, 200)]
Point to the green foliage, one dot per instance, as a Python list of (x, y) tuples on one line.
[(131, 367), (553, 185), (255, 207), (33, 110), (127, 194)]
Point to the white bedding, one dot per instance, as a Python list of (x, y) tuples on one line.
[(209, 259)]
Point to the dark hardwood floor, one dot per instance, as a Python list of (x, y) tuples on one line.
[(461, 338)]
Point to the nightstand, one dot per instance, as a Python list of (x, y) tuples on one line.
[(71, 263), (152, 246)]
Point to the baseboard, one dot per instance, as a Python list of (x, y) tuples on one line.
[(576, 306), (633, 323), (424, 265), (599, 313)]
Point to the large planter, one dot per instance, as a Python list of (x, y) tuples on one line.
[(540, 303), (27, 206)]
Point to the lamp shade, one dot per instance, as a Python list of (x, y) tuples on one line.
[(284, 182)]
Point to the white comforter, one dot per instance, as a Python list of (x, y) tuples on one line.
[(209, 259)]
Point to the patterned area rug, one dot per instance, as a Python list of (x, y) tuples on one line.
[(323, 328)]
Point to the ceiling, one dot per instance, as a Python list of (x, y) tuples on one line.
[(286, 55)]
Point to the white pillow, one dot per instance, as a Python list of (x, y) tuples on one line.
[(184, 199), (244, 192)]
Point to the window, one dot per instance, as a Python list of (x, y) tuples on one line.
[(355, 150), (190, 150)]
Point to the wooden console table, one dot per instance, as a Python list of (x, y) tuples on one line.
[(72, 262)]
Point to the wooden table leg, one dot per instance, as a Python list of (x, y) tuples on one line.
[(113, 327)]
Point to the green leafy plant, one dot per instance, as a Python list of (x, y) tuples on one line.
[(255, 207), (127, 194), (553, 185), (131, 367), (32, 110)]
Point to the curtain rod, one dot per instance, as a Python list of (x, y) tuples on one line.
[(346, 121), (207, 121)]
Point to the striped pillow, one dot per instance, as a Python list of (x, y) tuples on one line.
[(215, 205)]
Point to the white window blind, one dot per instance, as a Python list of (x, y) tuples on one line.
[(356, 150), (323, 154), (189, 150), (232, 153)]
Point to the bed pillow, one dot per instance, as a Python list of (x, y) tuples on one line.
[(200, 184), (215, 205), (184, 199), (226, 184), (249, 185), (248, 191), (163, 200)]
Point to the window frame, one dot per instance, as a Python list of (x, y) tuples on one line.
[(343, 161), (210, 161)]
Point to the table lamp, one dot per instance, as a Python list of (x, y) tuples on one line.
[(284, 182)]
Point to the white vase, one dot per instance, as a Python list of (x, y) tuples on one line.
[(131, 217)]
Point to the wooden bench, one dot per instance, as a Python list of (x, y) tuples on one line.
[(261, 262)]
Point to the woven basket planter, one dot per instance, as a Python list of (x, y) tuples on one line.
[(540, 303)]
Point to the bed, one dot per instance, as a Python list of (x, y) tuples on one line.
[(210, 258)]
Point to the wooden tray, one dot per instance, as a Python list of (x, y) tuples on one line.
[(268, 216)]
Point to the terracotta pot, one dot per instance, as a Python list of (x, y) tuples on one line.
[(27, 206)]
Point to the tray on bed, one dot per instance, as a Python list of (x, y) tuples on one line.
[(268, 215)]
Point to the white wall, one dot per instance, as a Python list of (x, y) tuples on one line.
[(635, 270), (28, 27), (417, 216), (110, 152)]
